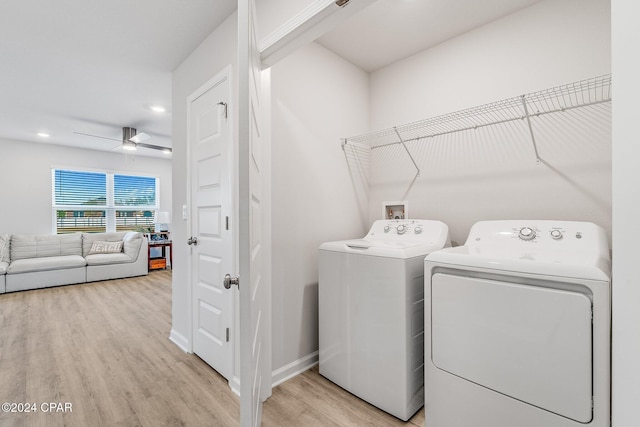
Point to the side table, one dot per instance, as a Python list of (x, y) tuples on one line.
[(156, 262)]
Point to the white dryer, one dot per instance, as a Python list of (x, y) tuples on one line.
[(371, 312), (517, 327)]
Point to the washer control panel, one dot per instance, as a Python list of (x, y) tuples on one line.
[(401, 227), (408, 230)]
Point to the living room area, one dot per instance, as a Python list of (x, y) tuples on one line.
[(97, 347), (93, 352)]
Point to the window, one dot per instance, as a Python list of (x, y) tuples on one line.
[(99, 202), (135, 201)]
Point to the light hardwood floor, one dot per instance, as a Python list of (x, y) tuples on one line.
[(103, 347)]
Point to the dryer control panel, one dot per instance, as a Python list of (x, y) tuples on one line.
[(555, 241), (530, 233), (536, 232), (554, 232)]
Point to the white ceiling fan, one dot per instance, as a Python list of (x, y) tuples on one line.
[(131, 140)]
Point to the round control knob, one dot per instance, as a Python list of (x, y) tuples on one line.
[(386, 228), (527, 233), (401, 229), (556, 234), (418, 229)]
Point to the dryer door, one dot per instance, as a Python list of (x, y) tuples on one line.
[(531, 343)]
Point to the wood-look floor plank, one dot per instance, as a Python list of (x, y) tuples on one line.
[(316, 401), (104, 348)]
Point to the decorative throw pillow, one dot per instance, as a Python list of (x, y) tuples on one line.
[(99, 247), (4, 247)]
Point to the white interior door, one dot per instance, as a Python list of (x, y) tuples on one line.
[(255, 316), (211, 156)]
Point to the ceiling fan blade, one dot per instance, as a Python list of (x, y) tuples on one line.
[(97, 136), (139, 137), (130, 134), (154, 147)]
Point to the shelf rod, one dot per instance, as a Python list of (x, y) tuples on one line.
[(497, 122), (533, 138), (431, 135), (408, 152)]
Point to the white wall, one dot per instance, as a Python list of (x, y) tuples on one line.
[(626, 211), (491, 174), (216, 52), (317, 98), (25, 174), (550, 43)]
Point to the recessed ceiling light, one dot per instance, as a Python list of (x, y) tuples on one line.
[(158, 109), (43, 135)]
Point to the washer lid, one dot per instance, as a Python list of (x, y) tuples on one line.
[(381, 248), (396, 239)]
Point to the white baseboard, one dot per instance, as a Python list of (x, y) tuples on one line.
[(294, 368), (278, 376), (235, 385), (179, 340)]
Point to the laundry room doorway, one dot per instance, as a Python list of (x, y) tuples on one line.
[(254, 184)]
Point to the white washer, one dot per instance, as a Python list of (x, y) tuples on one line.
[(371, 312), (517, 327)]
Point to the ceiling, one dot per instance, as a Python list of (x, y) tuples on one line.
[(390, 30), (74, 66), (96, 66)]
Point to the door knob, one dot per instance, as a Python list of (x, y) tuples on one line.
[(192, 241), (228, 281)]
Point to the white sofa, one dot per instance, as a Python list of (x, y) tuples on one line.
[(132, 261), (40, 261)]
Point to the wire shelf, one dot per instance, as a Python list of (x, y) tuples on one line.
[(561, 98)]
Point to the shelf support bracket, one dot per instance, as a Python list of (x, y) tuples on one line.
[(533, 138), (407, 150)]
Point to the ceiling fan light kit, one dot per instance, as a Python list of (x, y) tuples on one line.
[(129, 145)]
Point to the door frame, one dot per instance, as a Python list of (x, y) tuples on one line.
[(254, 223), (224, 74), (319, 17)]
